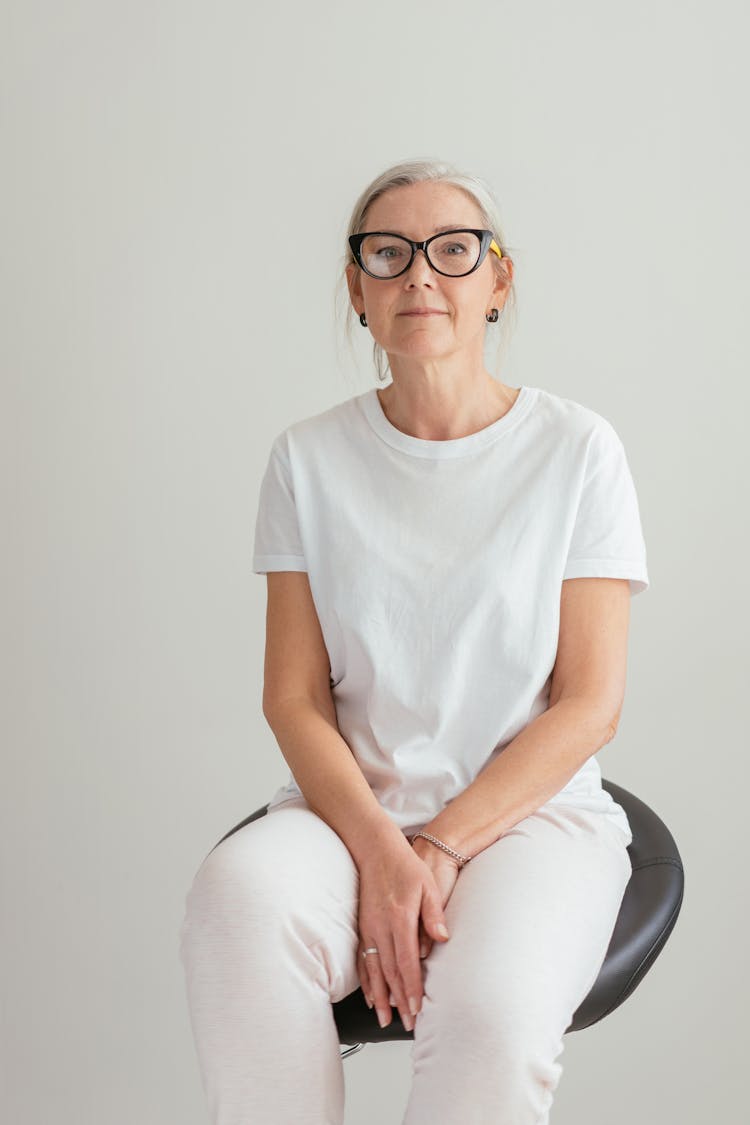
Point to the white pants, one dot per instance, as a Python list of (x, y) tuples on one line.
[(269, 941)]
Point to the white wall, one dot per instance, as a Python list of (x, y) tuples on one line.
[(149, 149)]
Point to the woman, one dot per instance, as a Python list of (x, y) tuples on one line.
[(449, 564)]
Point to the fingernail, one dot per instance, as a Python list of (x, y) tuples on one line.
[(443, 930), (382, 1017), (423, 951), (407, 1021), (368, 1001), (413, 1006)]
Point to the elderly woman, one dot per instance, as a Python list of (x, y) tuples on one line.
[(449, 563)]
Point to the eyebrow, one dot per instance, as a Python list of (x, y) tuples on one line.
[(438, 230)]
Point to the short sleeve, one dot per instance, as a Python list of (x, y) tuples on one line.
[(607, 539), (277, 544)]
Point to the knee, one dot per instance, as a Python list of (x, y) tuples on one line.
[(271, 869), (231, 891), (236, 873)]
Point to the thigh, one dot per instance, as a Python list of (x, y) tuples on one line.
[(530, 919), (285, 880)]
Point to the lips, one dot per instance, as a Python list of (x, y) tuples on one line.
[(423, 312)]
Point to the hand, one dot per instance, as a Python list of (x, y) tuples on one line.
[(397, 891), (445, 871)]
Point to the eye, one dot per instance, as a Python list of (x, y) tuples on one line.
[(389, 252)]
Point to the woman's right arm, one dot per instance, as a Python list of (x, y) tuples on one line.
[(299, 708), (395, 886)]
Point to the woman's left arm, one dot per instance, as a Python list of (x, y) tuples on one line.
[(586, 697)]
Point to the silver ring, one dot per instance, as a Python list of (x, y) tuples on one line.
[(372, 949)]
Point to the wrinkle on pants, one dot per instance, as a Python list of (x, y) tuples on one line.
[(269, 942)]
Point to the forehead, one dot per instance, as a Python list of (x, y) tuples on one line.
[(418, 210)]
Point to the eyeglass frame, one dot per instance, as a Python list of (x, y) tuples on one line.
[(486, 242)]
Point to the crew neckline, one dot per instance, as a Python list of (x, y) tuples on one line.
[(450, 447)]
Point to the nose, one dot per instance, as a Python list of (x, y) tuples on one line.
[(420, 269)]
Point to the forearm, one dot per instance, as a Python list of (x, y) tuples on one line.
[(534, 766), (330, 778)]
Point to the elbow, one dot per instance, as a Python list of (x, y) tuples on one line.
[(610, 729), (267, 708), (280, 709), (274, 712), (603, 715), (597, 719)]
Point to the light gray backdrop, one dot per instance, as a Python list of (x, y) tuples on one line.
[(176, 182)]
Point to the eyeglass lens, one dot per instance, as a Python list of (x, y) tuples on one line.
[(386, 255)]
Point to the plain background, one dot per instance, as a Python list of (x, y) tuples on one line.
[(176, 183)]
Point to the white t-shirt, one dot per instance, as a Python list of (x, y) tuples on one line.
[(436, 570)]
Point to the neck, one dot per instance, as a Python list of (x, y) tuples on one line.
[(441, 409)]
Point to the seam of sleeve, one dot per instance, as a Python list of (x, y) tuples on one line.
[(606, 562), (264, 563), (635, 572)]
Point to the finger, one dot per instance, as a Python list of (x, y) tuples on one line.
[(406, 948), (379, 990), (364, 976), (391, 970), (423, 942), (433, 917)]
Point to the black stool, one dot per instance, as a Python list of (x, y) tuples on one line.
[(648, 912)]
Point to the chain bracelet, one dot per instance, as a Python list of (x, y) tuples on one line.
[(462, 859)]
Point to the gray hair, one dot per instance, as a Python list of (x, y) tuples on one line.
[(416, 172)]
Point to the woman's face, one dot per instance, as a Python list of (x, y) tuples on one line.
[(460, 303)]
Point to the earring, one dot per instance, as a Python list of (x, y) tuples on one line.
[(363, 320), (492, 317)]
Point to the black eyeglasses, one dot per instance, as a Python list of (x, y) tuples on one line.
[(454, 253)]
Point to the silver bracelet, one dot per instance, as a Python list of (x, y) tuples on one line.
[(462, 859)]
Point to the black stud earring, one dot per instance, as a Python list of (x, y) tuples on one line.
[(492, 317), (363, 320)]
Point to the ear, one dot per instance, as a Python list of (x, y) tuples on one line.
[(503, 280), (355, 289)]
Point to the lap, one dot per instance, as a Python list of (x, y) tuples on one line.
[(530, 917)]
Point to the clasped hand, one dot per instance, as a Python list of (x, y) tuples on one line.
[(403, 891)]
